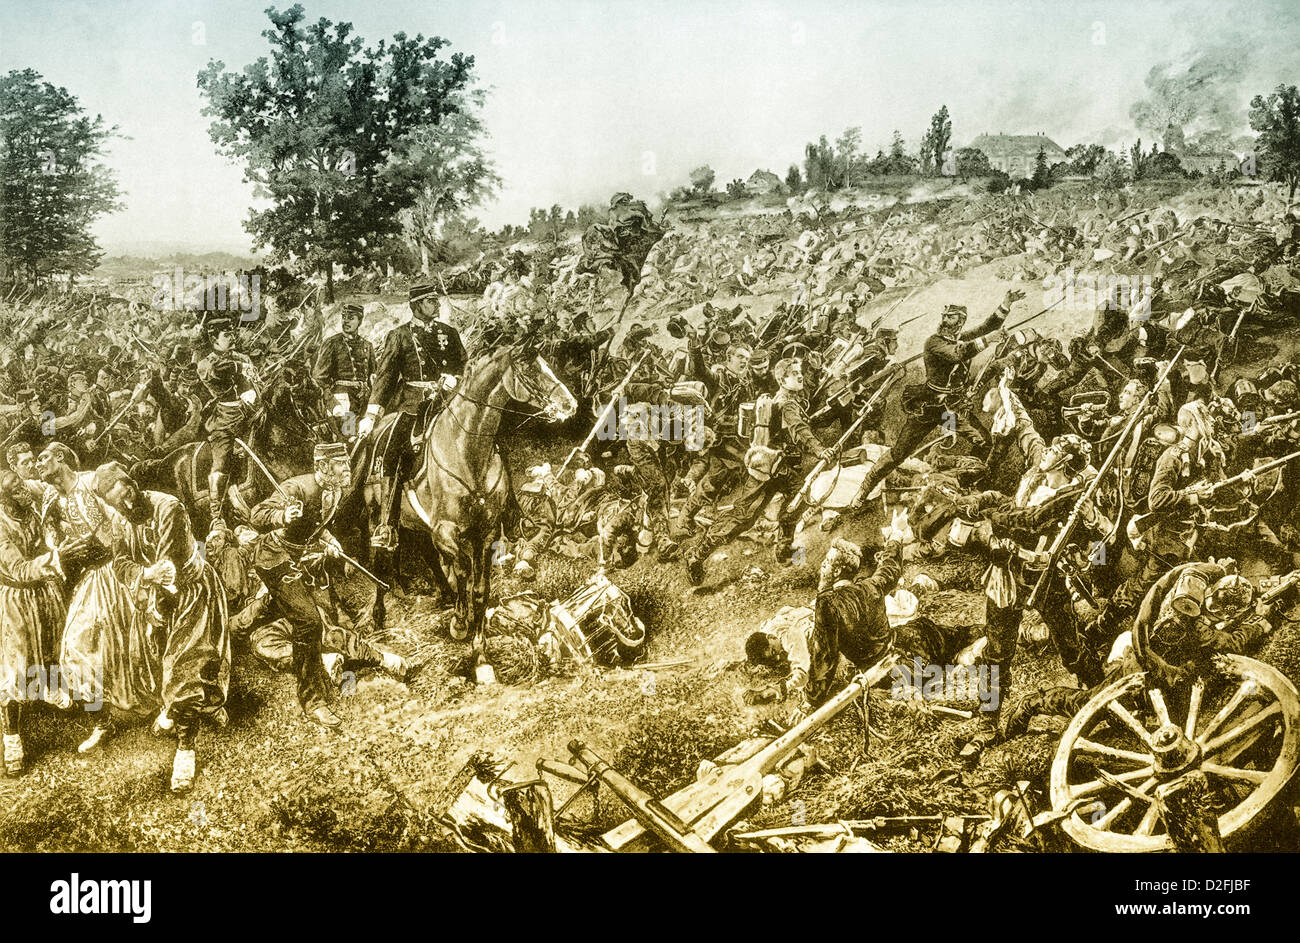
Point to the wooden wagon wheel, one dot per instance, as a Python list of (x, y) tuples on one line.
[(1239, 725)]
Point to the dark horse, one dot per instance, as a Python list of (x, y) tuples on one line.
[(461, 487), (283, 433)]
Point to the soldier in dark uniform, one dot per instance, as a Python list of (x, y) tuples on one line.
[(88, 411), (729, 386), (344, 366), (414, 358), (793, 439), (231, 399), (294, 523), (947, 356)]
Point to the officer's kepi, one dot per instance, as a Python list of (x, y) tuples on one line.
[(422, 291)]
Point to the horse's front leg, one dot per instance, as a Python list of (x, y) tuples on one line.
[(462, 580), (480, 583)]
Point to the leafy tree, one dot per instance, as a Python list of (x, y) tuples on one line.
[(1138, 161), (326, 131), (999, 182), (846, 156), (702, 179), (896, 163), (1112, 172), (736, 189), (456, 173), (52, 184), (1042, 173), (896, 145), (1084, 158), (934, 143), (819, 165), (972, 162), (1277, 119), (1165, 164), (793, 180)]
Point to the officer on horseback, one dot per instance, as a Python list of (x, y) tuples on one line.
[(415, 358)]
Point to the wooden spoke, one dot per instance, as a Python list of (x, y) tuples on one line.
[(1104, 823), (1194, 707), (1120, 711), (1158, 703), (1107, 820), (1148, 824), (1090, 746), (1233, 772), (1246, 688), (1095, 786), (1236, 733)]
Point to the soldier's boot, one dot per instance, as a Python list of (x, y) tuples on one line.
[(1052, 702), (695, 557), (666, 548), (879, 472), (783, 547), (686, 525), (217, 496)]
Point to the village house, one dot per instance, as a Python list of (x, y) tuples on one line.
[(761, 182), (1014, 154)]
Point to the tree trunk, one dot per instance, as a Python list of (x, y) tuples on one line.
[(329, 282)]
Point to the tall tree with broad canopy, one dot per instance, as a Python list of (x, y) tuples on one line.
[(1277, 119), (52, 183), (329, 131)]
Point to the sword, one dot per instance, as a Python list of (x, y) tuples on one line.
[(338, 551)]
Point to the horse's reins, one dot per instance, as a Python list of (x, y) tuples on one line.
[(447, 410)]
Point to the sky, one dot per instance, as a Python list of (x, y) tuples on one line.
[(589, 98)]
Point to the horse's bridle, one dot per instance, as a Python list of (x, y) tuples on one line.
[(532, 390)]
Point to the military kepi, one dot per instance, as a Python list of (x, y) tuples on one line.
[(325, 451), (421, 290)]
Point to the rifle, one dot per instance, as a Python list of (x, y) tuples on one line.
[(1058, 545), (1231, 336), (600, 421), (1141, 523), (1006, 328), (821, 463), (288, 500), (1271, 420), (854, 826)]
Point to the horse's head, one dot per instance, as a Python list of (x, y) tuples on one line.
[(529, 379)]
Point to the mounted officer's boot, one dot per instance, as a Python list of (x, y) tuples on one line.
[(216, 496), (384, 536), (390, 496)]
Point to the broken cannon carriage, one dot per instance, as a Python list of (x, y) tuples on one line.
[(1235, 729)]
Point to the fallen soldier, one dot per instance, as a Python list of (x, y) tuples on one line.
[(1193, 612), (851, 617)]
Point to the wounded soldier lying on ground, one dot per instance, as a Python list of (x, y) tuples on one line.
[(851, 617), (1192, 613)]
